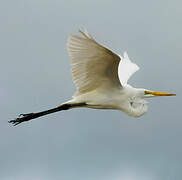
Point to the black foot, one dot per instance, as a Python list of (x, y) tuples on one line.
[(22, 118)]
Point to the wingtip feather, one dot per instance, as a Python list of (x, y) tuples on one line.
[(125, 55)]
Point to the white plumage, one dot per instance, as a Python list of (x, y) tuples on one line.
[(126, 69), (93, 66), (101, 78)]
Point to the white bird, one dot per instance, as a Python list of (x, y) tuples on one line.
[(101, 78)]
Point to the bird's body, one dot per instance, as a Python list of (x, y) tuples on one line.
[(124, 99), (101, 78)]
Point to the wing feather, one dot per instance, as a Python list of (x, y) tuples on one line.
[(126, 69), (92, 64)]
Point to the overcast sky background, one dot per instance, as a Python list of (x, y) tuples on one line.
[(87, 144)]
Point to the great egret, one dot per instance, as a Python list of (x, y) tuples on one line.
[(101, 79)]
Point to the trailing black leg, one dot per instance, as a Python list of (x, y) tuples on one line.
[(30, 116)]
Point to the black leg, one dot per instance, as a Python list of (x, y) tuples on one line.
[(27, 117), (22, 118)]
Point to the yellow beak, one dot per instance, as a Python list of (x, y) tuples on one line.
[(159, 93)]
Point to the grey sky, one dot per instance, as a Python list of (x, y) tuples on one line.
[(87, 144)]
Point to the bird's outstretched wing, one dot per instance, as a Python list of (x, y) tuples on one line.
[(92, 64), (126, 69)]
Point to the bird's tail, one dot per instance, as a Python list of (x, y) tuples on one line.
[(30, 116)]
